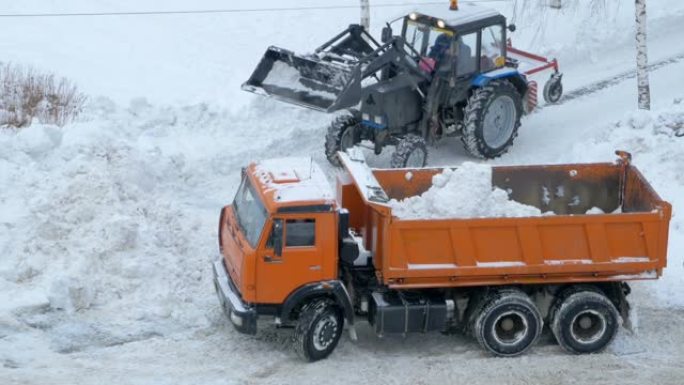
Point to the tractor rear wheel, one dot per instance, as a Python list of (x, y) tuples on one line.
[(343, 133), (491, 119), (411, 152)]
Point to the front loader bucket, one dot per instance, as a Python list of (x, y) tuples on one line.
[(305, 81)]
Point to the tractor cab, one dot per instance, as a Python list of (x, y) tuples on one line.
[(466, 41)]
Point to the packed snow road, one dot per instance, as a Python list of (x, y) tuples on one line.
[(108, 227)]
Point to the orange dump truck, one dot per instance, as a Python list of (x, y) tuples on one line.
[(310, 257)]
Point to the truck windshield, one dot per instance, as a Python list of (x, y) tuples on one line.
[(250, 212)]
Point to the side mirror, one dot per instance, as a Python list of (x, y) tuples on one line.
[(511, 27), (386, 34), (278, 237)]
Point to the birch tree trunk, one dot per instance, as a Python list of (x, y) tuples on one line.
[(365, 14), (643, 87)]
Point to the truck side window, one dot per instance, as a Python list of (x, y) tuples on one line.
[(300, 232)]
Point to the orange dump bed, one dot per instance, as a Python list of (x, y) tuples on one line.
[(570, 246)]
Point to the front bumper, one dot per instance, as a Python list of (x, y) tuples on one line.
[(241, 315)]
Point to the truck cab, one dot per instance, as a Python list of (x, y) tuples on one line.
[(276, 242)]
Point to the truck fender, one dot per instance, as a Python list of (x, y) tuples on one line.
[(510, 74), (333, 289)]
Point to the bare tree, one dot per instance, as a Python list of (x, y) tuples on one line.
[(643, 87)]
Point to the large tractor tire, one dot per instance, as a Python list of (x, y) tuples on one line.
[(506, 323), (583, 320), (344, 132), (491, 119), (411, 152), (318, 329)]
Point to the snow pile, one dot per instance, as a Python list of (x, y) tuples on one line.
[(465, 192), (658, 152), (108, 226)]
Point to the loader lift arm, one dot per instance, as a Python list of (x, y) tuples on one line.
[(393, 53), (353, 44)]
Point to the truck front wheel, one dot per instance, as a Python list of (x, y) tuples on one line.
[(491, 119), (318, 330), (584, 321), (507, 323)]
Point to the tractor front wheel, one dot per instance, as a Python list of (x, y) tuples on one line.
[(343, 133), (491, 119), (411, 152)]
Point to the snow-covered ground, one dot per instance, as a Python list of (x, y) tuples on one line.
[(108, 225)]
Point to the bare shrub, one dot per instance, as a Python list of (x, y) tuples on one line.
[(26, 94)]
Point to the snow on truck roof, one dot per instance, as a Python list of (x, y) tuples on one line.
[(293, 179), (466, 13)]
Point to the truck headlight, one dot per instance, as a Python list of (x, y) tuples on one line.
[(236, 319)]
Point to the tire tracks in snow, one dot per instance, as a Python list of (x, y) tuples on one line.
[(601, 85)]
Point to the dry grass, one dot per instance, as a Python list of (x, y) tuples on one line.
[(26, 94)]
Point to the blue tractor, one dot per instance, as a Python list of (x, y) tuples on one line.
[(442, 76)]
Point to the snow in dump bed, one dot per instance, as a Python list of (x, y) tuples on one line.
[(294, 179), (465, 192)]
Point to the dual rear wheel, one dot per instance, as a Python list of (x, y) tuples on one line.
[(583, 320), (507, 322)]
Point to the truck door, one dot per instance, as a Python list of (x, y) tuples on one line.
[(300, 260)]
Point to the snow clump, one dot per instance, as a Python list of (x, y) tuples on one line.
[(465, 192)]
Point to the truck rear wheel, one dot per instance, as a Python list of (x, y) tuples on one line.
[(491, 119), (507, 323), (318, 330), (584, 320), (411, 152), (343, 133)]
